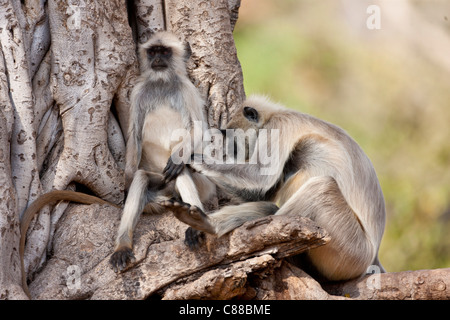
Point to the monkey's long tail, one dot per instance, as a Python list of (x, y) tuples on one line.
[(37, 205)]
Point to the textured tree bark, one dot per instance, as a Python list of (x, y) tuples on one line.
[(215, 69), (287, 282), (10, 287), (91, 70), (67, 71), (85, 238), (60, 94), (407, 285), (19, 176)]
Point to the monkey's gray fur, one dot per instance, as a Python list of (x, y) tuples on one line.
[(319, 172), (163, 100)]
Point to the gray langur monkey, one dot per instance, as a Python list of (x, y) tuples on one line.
[(164, 100), (318, 172)]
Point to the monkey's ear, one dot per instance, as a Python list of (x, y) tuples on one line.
[(187, 51), (251, 114)]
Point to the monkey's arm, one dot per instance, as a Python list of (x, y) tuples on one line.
[(242, 176), (37, 205), (181, 155), (132, 157), (172, 170), (130, 164)]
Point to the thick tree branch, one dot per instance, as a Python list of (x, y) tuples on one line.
[(224, 283), (406, 285), (85, 239)]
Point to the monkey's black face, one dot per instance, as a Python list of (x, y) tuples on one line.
[(241, 133), (159, 57)]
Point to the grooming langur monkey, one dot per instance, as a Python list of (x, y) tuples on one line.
[(163, 101), (318, 172)]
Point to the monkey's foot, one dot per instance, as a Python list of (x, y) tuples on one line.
[(193, 238), (191, 215), (120, 259), (172, 170)]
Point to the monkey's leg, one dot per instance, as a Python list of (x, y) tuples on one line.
[(138, 196), (350, 251), (194, 188), (221, 221), (188, 189), (189, 214), (193, 216), (205, 187), (230, 217)]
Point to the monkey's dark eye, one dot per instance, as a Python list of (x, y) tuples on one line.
[(251, 114), (167, 52)]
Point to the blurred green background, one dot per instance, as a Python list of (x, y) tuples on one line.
[(389, 88)]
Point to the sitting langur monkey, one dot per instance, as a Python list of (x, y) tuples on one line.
[(163, 101), (318, 172)]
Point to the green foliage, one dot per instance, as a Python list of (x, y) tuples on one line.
[(393, 102)]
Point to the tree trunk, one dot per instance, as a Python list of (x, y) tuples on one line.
[(66, 73), (67, 69)]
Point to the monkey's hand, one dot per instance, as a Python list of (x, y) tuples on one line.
[(172, 170), (197, 162)]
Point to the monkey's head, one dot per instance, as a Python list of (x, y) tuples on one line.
[(164, 55), (256, 113)]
